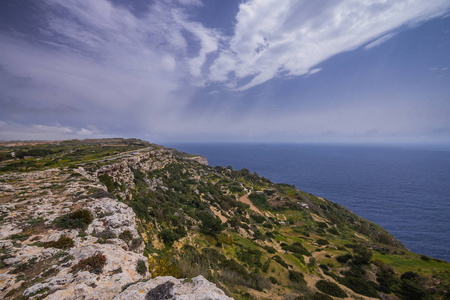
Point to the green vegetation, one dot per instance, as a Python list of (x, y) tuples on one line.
[(273, 251), (37, 156), (78, 219), (93, 264), (64, 242), (330, 288), (141, 268)]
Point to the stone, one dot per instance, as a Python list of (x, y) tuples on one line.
[(170, 288)]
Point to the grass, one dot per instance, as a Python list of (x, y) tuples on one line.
[(412, 262)]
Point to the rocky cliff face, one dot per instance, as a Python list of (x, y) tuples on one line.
[(40, 259)]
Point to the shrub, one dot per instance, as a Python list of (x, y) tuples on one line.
[(296, 247), (270, 249), (359, 285), (135, 243), (163, 265), (251, 257), (265, 266), (64, 242), (296, 277), (322, 225), (320, 296), (259, 200), (344, 258), (126, 236), (333, 230), (425, 258), (210, 224), (106, 234), (108, 182), (273, 280), (362, 254), (168, 237), (257, 218), (330, 288), (141, 268), (268, 225), (322, 242), (408, 289), (78, 219), (279, 260), (93, 264), (270, 234)]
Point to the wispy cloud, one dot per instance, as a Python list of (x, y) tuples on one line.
[(379, 41), (103, 61), (11, 131), (273, 40)]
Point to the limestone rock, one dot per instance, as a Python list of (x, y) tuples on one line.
[(168, 287)]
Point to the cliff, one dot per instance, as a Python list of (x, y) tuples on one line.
[(122, 219)]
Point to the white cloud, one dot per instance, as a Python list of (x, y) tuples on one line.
[(11, 131), (191, 2), (114, 68), (379, 41), (271, 40), (314, 71)]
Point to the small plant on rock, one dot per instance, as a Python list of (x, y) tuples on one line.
[(141, 268), (64, 242), (78, 219), (126, 236), (93, 264)]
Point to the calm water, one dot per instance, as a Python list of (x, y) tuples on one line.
[(407, 191)]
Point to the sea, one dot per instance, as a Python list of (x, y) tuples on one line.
[(405, 189)]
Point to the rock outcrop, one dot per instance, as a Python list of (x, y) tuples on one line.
[(170, 288), (34, 265)]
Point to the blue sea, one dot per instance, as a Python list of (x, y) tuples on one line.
[(405, 189)]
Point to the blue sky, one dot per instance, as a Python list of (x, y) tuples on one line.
[(328, 71)]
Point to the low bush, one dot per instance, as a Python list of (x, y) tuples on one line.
[(296, 277), (344, 258), (330, 288), (296, 247), (265, 266), (320, 296), (322, 242), (64, 242), (279, 260), (258, 218), (93, 264), (359, 285), (333, 230), (108, 182), (78, 219), (273, 280), (126, 236), (106, 234), (135, 243), (270, 249), (141, 268), (168, 237), (259, 200)]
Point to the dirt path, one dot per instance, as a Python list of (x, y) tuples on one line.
[(244, 199), (219, 214)]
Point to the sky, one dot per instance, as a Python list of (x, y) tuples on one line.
[(291, 71)]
